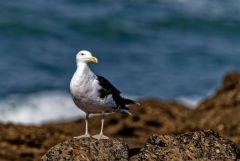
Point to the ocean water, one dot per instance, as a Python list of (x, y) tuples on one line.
[(167, 49)]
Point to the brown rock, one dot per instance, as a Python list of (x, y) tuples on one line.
[(153, 116), (221, 112), (88, 149), (227, 96), (202, 145), (231, 81)]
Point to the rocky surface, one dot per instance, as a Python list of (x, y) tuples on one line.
[(31, 142), (88, 149), (202, 145), (219, 112)]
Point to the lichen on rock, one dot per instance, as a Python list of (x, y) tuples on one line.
[(88, 149), (201, 145)]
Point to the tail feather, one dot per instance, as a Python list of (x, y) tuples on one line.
[(128, 101), (125, 111), (124, 107)]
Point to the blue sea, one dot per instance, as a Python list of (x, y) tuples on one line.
[(166, 49)]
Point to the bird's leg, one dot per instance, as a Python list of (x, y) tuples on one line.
[(86, 135), (86, 127), (100, 135)]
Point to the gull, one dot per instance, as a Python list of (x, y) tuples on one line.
[(94, 94)]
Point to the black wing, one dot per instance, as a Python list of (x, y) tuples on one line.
[(109, 89)]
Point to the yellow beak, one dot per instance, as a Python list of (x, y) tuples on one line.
[(93, 59)]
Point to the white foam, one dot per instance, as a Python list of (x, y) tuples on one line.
[(192, 101), (52, 106), (38, 108)]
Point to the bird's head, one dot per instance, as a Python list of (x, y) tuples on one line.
[(85, 56)]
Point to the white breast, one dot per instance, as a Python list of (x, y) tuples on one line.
[(85, 92)]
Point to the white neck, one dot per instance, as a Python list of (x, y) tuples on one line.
[(82, 68), (81, 65), (82, 77), (80, 74)]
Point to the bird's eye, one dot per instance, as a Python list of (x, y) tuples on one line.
[(82, 54)]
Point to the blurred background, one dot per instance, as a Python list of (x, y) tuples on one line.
[(167, 49)]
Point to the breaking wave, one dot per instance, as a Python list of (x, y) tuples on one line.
[(38, 108)]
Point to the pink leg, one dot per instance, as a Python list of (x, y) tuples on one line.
[(86, 135), (100, 135)]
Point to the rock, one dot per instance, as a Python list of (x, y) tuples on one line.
[(88, 149), (201, 145), (231, 81), (153, 116), (227, 96), (221, 111)]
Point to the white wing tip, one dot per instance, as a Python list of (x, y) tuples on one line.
[(137, 103), (125, 111)]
